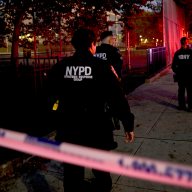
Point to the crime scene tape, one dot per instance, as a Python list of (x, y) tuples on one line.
[(114, 162)]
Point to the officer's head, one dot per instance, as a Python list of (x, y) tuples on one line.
[(184, 41), (107, 37), (84, 39)]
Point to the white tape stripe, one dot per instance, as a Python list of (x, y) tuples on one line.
[(15, 135), (137, 167)]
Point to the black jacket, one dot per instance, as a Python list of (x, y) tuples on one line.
[(182, 64), (84, 85), (112, 55)]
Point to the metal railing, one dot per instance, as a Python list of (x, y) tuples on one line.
[(156, 60), (148, 62), (144, 61)]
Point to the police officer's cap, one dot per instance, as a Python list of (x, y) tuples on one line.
[(106, 34)]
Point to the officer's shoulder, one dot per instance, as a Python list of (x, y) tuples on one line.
[(62, 62), (178, 51), (98, 47), (114, 49), (66, 59)]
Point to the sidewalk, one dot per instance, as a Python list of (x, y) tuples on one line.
[(162, 133)]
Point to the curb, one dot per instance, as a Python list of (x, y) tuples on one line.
[(157, 76)]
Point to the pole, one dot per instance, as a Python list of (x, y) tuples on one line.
[(35, 45), (34, 35), (163, 15), (128, 50)]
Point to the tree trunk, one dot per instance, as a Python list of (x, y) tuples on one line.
[(15, 39)]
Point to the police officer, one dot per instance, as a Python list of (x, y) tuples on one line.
[(109, 52), (83, 84), (182, 67)]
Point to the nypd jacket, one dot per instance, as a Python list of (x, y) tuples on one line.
[(111, 55), (182, 64), (84, 84)]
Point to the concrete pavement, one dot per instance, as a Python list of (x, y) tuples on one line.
[(162, 133)]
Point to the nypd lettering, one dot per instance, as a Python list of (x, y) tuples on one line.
[(101, 55), (184, 57), (78, 73)]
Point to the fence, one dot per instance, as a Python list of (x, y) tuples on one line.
[(144, 61), (156, 60), (34, 70)]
